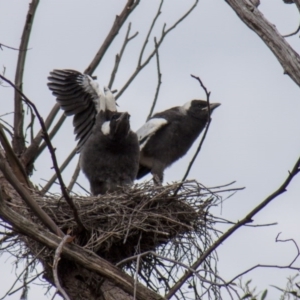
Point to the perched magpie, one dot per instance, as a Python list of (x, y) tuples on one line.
[(168, 135), (109, 150)]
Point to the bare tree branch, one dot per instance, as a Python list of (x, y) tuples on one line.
[(119, 21), (39, 212), (119, 56), (13, 160), (17, 279), (18, 140), (33, 151), (62, 167), (52, 152), (255, 20), (52, 133), (74, 176), (293, 33), (12, 48), (141, 65), (158, 81), (84, 258), (205, 132), (149, 32), (230, 231)]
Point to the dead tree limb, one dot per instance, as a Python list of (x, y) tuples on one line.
[(24, 194), (247, 219), (255, 20), (52, 153), (84, 258), (19, 140), (33, 151)]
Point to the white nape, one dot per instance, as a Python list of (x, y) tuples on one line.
[(105, 128)]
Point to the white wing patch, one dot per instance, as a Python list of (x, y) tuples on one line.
[(149, 129), (110, 101), (92, 87), (105, 128)]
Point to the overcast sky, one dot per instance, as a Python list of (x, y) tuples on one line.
[(254, 135)]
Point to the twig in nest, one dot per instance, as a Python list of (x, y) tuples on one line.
[(65, 239)]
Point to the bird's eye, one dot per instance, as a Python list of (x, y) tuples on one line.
[(114, 117)]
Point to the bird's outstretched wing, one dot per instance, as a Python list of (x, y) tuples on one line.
[(79, 95), (149, 129)]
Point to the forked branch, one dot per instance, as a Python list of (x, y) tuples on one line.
[(247, 219), (119, 21), (52, 152)]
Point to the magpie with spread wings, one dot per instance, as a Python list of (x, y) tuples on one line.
[(109, 150)]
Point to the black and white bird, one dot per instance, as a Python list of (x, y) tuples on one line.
[(168, 135), (109, 150)]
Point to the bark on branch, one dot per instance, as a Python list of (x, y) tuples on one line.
[(255, 20), (86, 259), (19, 140)]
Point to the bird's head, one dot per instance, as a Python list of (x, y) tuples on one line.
[(117, 125), (199, 108)]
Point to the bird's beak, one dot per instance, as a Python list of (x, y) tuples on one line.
[(212, 106)]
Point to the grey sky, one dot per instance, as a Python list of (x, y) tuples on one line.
[(254, 135)]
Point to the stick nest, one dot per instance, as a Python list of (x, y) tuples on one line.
[(137, 220), (153, 232)]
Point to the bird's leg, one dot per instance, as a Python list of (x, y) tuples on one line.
[(157, 180), (158, 172)]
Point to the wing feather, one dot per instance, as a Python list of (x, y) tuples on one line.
[(79, 95), (149, 129)]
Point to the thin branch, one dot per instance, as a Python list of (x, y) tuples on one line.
[(163, 35), (158, 81), (38, 211), (119, 56), (51, 134), (52, 152), (207, 93), (32, 152), (295, 244), (119, 21), (27, 282), (62, 167), (74, 176), (26, 267), (65, 239), (255, 20), (149, 32), (262, 266), (12, 48), (19, 140), (293, 33), (230, 231)]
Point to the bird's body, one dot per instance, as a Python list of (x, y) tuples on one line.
[(168, 135), (109, 149), (110, 159)]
